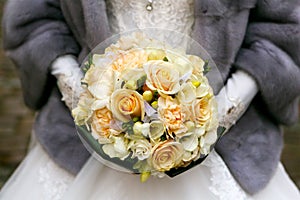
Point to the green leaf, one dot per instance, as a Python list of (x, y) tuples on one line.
[(141, 82), (206, 67), (128, 127), (88, 63), (220, 131), (163, 137), (155, 95)]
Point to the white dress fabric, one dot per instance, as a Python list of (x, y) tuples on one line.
[(39, 178)]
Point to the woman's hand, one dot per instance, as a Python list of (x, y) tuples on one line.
[(68, 73), (235, 97)]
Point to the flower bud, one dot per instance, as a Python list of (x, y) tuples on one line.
[(137, 127), (145, 176), (196, 83), (135, 119), (147, 96), (131, 84), (154, 104)]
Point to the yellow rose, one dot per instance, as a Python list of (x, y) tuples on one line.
[(126, 104), (166, 155), (131, 59), (162, 76), (171, 114), (101, 121), (201, 111)]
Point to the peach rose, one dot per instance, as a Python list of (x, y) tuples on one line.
[(126, 104), (166, 155)]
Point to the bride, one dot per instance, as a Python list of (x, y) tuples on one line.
[(255, 46)]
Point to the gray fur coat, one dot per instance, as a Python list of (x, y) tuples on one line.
[(261, 37)]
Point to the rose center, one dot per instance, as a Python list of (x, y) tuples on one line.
[(127, 105), (165, 79)]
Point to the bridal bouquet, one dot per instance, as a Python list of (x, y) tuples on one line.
[(147, 107)]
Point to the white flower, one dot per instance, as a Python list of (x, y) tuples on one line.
[(204, 88), (141, 128), (198, 64), (187, 94), (189, 143), (99, 81), (189, 156), (182, 64), (140, 149), (156, 130), (83, 112), (118, 148)]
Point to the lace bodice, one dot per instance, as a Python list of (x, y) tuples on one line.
[(173, 15)]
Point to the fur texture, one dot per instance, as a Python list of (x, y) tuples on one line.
[(258, 36)]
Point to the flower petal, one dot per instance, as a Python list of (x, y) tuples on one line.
[(189, 143)]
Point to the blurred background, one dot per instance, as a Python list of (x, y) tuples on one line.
[(16, 121)]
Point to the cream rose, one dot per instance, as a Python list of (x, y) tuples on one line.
[(166, 155), (126, 104), (140, 149), (162, 76)]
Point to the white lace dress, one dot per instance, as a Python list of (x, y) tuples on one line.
[(39, 178)]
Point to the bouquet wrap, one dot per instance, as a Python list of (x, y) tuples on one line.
[(148, 105)]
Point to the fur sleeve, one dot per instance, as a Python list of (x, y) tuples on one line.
[(271, 54), (34, 34)]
